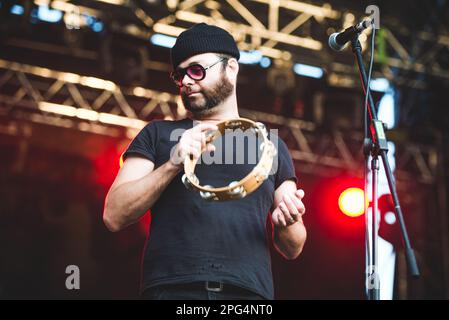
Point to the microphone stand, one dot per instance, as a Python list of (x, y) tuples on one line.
[(375, 144)]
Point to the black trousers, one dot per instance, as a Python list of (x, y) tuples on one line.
[(199, 291)]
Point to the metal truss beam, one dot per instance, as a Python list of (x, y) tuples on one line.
[(75, 101), (253, 33), (422, 61), (262, 30), (278, 29)]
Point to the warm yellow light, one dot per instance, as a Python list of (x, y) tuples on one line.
[(351, 202), (57, 108)]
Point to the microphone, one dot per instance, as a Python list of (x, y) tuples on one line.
[(338, 40)]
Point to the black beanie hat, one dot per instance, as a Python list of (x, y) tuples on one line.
[(202, 38)]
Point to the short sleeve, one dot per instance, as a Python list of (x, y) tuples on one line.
[(145, 143), (283, 167)]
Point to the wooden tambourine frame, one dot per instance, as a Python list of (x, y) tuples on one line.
[(235, 189)]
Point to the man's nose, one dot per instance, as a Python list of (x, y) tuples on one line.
[(187, 81)]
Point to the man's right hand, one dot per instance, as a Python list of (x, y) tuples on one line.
[(192, 142)]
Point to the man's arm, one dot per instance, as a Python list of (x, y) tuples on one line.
[(135, 189), (289, 230), (137, 186)]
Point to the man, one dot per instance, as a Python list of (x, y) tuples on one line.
[(198, 249)]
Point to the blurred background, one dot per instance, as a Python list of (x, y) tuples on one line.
[(79, 79)]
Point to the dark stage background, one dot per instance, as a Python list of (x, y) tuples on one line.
[(56, 168)]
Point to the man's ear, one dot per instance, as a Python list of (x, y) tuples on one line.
[(233, 68)]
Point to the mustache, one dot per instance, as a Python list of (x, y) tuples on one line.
[(189, 91)]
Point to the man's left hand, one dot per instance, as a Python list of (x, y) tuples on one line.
[(290, 209)]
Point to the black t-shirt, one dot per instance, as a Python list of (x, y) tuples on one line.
[(191, 239)]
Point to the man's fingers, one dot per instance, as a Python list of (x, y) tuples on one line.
[(192, 151), (199, 137), (300, 193), (195, 144), (290, 205), (275, 216), (281, 219), (298, 204), (210, 147)]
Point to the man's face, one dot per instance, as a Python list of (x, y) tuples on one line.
[(200, 97)]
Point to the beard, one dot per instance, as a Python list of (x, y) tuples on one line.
[(208, 98)]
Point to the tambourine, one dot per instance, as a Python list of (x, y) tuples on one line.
[(235, 189)]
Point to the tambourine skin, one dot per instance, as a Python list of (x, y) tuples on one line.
[(236, 189)]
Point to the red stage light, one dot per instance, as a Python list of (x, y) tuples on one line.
[(351, 201), (338, 212)]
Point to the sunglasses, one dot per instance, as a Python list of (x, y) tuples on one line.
[(195, 72)]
